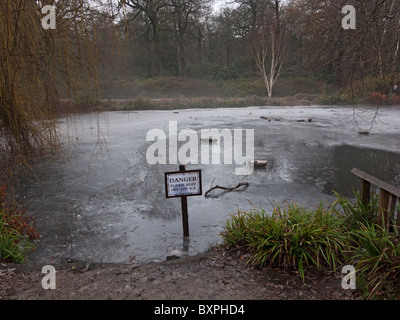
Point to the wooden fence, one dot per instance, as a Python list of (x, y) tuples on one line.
[(388, 197)]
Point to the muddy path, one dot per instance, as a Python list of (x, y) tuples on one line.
[(215, 275)]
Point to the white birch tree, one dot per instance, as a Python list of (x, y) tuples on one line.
[(269, 55), (268, 46)]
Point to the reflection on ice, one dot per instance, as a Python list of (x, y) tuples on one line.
[(279, 171)]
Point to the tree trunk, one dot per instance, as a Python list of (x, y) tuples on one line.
[(199, 47), (181, 58), (157, 52)]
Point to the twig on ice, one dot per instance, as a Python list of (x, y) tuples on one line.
[(227, 188)]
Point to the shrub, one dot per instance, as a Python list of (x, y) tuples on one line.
[(169, 87), (286, 87), (334, 99), (377, 98), (141, 104), (395, 100), (289, 237), (378, 259), (345, 232), (223, 73), (16, 230), (85, 99), (242, 87), (374, 84), (199, 70), (356, 213)]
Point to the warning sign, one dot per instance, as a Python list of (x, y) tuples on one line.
[(186, 183)]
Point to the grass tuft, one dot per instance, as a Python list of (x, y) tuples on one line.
[(289, 237), (16, 230), (344, 232)]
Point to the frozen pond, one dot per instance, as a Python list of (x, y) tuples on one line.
[(105, 203)]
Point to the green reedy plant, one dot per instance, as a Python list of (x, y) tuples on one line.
[(13, 246), (377, 256), (356, 213), (16, 230), (289, 237), (344, 232)]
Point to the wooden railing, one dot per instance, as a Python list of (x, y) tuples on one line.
[(388, 197)]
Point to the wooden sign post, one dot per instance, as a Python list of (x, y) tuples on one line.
[(183, 184)]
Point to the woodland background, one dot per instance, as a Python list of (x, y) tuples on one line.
[(158, 49)]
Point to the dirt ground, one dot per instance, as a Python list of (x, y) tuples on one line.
[(216, 275)]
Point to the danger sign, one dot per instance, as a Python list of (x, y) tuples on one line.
[(186, 183)]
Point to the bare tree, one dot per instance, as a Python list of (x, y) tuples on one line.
[(269, 55), (268, 46), (183, 14), (349, 54), (152, 9)]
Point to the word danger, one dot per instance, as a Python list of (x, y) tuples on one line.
[(187, 179), (191, 153)]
